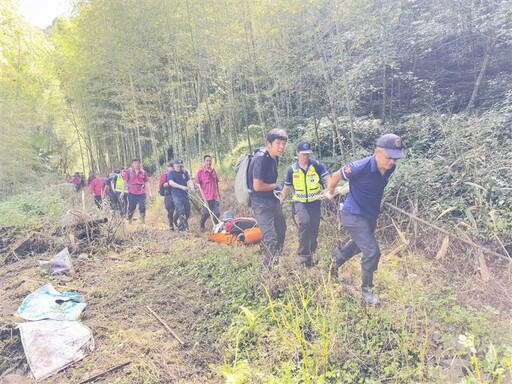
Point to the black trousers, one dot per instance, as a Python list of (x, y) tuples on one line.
[(172, 216), (98, 200), (214, 207), (271, 220), (362, 232), (308, 217), (183, 208)]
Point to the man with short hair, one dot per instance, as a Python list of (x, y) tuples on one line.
[(208, 183), (137, 181), (305, 177), (179, 180), (262, 181), (367, 179)]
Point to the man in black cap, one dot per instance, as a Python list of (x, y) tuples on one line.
[(305, 176), (180, 183), (367, 179)]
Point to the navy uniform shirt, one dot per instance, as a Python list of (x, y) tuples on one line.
[(366, 187), (263, 167), (180, 178)]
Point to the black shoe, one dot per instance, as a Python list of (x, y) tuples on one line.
[(369, 296)]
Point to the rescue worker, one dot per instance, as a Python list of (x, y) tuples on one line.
[(180, 182), (96, 187), (77, 182), (137, 181), (262, 181), (116, 186), (169, 202), (305, 177), (208, 183), (367, 179)]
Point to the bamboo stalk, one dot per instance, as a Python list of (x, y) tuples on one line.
[(165, 325), (468, 242), (91, 379)]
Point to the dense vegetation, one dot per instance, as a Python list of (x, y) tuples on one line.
[(165, 78)]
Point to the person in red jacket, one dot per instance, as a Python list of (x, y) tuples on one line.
[(208, 182), (137, 180), (96, 187)]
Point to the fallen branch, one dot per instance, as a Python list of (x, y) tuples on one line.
[(91, 379), (165, 325), (468, 242)]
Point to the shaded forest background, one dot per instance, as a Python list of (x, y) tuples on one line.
[(165, 78)]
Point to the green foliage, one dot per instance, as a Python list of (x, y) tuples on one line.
[(315, 332), (457, 170), (32, 209)]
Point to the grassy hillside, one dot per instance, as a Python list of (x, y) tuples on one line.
[(242, 325)]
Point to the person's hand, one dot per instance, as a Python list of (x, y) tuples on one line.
[(184, 188), (279, 187), (329, 193)]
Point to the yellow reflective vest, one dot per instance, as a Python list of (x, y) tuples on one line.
[(118, 187), (307, 185)]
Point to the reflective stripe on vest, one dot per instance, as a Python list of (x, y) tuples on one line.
[(306, 184), (118, 186)]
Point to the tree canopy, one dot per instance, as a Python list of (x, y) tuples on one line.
[(160, 79)]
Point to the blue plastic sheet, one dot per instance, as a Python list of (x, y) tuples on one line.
[(48, 303)]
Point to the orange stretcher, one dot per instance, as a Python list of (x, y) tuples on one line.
[(249, 236)]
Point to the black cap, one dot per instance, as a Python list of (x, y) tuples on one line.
[(178, 162), (304, 148), (392, 144)]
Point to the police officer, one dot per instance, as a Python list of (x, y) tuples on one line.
[(367, 179), (305, 177)]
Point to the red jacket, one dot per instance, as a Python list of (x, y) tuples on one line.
[(96, 186)]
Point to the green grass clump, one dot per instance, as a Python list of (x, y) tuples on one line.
[(32, 209), (320, 332)]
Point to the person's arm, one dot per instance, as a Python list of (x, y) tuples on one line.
[(260, 186), (285, 193), (147, 184), (257, 179), (174, 184), (197, 180), (333, 182), (125, 187), (190, 182)]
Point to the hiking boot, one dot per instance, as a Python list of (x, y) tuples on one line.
[(306, 261), (370, 297)]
